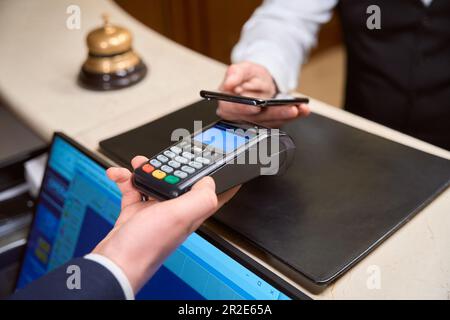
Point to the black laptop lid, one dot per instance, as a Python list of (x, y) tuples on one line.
[(346, 191)]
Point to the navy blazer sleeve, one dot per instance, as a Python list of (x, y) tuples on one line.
[(96, 283)]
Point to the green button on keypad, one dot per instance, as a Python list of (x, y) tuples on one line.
[(172, 179)]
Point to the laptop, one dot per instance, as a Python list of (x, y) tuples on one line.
[(78, 205)]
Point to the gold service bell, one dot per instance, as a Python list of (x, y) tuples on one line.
[(111, 63)]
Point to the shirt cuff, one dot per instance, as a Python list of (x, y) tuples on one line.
[(116, 271)]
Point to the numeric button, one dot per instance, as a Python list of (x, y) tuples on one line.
[(162, 158), (155, 163), (188, 155), (169, 154), (195, 164), (187, 148), (207, 153), (180, 174), (176, 149), (188, 169), (181, 160), (203, 160), (174, 164), (167, 169)]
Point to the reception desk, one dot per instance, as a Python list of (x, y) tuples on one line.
[(39, 64)]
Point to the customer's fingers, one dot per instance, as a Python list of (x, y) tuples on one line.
[(271, 116), (260, 86), (138, 161), (227, 195), (240, 73), (192, 208), (122, 177), (284, 113), (234, 76), (227, 108), (254, 94), (279, 114), (205, 183), (304, 110)]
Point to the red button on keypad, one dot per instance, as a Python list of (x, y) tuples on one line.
[(148, 168)]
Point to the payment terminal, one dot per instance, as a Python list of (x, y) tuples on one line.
[(231, 153)]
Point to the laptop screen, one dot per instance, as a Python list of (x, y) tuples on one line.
[(78, 206)]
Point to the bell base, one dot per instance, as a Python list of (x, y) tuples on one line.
[(112, 81)]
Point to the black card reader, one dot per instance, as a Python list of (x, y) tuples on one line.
[(231, 153)]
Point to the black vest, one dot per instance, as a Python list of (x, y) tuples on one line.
[(399, 75)]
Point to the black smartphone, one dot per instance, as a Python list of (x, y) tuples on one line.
[(282, 101)]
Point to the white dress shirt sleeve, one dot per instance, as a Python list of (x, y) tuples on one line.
[(280, 34), (116, 271)]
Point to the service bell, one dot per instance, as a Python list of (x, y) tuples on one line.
[(112, 62)]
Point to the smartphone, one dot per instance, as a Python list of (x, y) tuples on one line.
[(279, 101)]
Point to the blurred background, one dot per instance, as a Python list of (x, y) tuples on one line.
[(213, 28)]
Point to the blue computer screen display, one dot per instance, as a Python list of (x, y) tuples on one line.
[(78, 207), (222, 138)]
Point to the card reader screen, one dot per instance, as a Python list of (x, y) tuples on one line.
[(222, 138)]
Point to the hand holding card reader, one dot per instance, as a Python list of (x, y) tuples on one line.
[(231, 153)]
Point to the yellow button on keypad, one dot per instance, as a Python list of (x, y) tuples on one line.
[(158, 174)]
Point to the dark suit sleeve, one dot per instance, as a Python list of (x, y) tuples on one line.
[(96, 283)]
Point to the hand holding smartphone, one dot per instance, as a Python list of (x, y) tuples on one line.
[(211, 95)]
